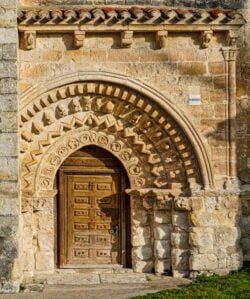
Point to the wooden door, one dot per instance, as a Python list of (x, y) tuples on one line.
[(92, 216)]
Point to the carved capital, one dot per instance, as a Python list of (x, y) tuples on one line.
[(152, 198), (126, 38), (161, 38), (206, 37), (183, 204), (79, 37), (232, 37), (29, 40), (229, 53)]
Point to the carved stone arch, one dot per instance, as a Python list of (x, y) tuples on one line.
[(152, 124), (67, 144)]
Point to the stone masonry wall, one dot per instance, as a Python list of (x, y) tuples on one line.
[(243, 132), (9, 200)]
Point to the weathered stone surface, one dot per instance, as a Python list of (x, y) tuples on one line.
[(141, 236), (162, 249), (74, 279), (226, 236), (180, 260), (44, 261), (162, 216), (162, 231), (143, 252), (143, 266), (123, 278), (180, 240), (8, 226), (162, 266), (203, 262), (202, 239)]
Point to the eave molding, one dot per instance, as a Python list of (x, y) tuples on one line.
[(127, 21)]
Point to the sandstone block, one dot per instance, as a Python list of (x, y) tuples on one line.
[(8, 205), (204, 218), (192, 68), (180, 259), (201, 239), (162, 231), (8, 102), (162, 216), (123, 278), (142, 252), (8, 36), (8, 167), (226, 236), (8, 69), (219, 82), (141, 236), (45, 241), (8, 121), (162, 249), (143, 266), (44, 261), (201, 262), (8, 226), (179, 240), (9, 248), (162, 266), (8, 85), (216, 68), (28, 260), (139, 217), (180, 220), (10, 52), (6, 265)]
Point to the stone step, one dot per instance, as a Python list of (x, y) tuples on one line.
[(123, 278), (71, 277)]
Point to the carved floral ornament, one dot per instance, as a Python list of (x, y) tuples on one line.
[(127, 21), (151, 146)]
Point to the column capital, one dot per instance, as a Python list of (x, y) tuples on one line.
[(229, 53)]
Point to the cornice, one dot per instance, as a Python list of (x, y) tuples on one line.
[(125, 16), (127, 21)]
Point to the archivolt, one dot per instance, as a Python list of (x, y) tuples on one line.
[(125, 115)]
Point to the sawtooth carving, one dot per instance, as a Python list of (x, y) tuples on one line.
[(164, 153)]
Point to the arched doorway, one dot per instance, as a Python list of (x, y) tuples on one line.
[(94, 212)]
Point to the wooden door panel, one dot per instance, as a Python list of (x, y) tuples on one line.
[(92, 219)]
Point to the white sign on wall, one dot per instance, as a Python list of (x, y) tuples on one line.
[(194, 97)]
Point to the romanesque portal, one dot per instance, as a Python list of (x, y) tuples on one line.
[(144, 223)]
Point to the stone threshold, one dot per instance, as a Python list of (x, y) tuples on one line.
[(86, 277)]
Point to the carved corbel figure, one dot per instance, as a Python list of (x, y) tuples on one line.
[(126, 38), (161, 38), (79, 37), (232, 37), (206, 38), (29, 40)]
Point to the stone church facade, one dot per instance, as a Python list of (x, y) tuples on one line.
[(124, 137)]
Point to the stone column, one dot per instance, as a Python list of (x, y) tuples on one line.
[(141, 235), (9, 197), (230, 54), (180, 249), (38, 234)]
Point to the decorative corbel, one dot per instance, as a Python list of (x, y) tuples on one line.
[(161, 38), (206, 37), (126, 38), (29, 40), (232, 37), (79, 37)]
